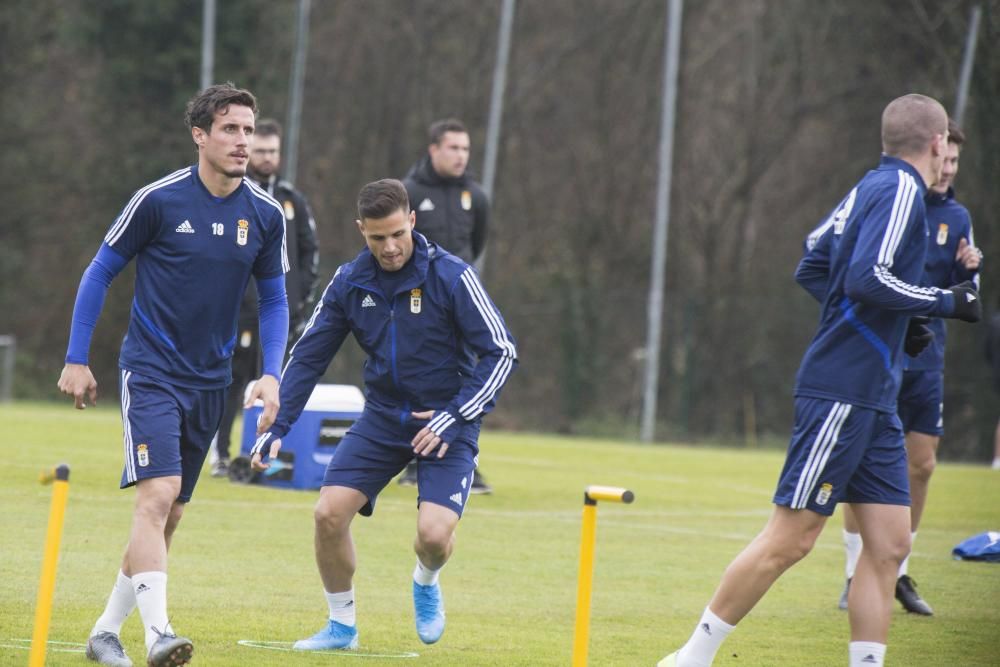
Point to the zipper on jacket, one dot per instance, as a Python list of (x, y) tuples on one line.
[(392, 339)]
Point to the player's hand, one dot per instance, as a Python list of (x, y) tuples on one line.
[(266, 389), (77, 381), (969, 256), (918, 336), (257, 461), (968, 306), (426, 441)]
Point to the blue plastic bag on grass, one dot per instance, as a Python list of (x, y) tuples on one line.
[(985, 546)]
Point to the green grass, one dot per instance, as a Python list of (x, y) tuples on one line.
[(242, 567)]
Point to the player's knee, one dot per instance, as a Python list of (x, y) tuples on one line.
[(434, 537), (889, 550), (923, 468), (330, 518), (155, 500), (899, 548), (895, 552), (174, 517), (787, 546), (795, 550)]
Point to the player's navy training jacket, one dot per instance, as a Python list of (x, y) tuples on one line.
[(195, 253), (947, 222), (418, 340), (864, 265)]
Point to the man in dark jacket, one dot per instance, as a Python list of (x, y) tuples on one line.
[(452, 211), (303, 249), (300, 282)]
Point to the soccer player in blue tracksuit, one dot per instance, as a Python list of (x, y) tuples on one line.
[(952, 257), (197, 236), (438, 355), (847, 443)]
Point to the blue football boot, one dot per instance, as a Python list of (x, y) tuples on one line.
[(334, 635), (429, 608)]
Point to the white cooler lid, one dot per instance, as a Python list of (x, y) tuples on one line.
[(327, 398)]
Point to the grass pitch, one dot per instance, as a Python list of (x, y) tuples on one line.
[(241, 566)]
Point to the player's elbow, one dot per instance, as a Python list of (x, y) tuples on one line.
[(856, 288), (808, 283), (802, 273)]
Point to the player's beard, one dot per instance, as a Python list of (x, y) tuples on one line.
[(261, 175), (236, 172)]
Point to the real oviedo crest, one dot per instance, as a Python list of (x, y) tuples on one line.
[(242, 231), (142, 455), (942, 235)]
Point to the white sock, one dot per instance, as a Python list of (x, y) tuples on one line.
[(341, 607), (852, 546), (904, 566), (151, 598), (996, 463), (121, 602), (866, 654), (425, 576), (704, 642)]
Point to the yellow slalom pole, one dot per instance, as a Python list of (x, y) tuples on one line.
[(585, 578), (59, 477)]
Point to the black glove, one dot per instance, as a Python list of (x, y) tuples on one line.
[(918, 336), (968, 307)]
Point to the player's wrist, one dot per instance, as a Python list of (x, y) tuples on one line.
[(946, 303), (443, 423), (262, 445)]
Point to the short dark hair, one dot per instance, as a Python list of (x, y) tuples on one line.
[(438, 128), (268, 127), (381, 199), (201, 109), (955, 134)]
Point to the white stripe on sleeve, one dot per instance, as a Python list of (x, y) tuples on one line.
[(475, 405), (122, 223), (262, 194)]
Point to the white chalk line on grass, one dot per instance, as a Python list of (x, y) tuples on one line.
[(746, 537), (478, 507), (25, 645), (352, 653), (626, 513), (611, 473), (547, 464)]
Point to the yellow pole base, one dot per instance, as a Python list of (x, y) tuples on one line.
[(585, 578), (50, 558)]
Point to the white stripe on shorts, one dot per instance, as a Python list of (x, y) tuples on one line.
[(820, 453), (127, 429)]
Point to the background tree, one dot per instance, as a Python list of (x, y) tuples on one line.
[(778, 116)]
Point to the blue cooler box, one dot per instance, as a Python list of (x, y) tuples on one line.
[(308, 447)]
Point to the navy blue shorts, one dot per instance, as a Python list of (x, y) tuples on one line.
[(921, 402), (168, 429), (377, 448), (842, 453)]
